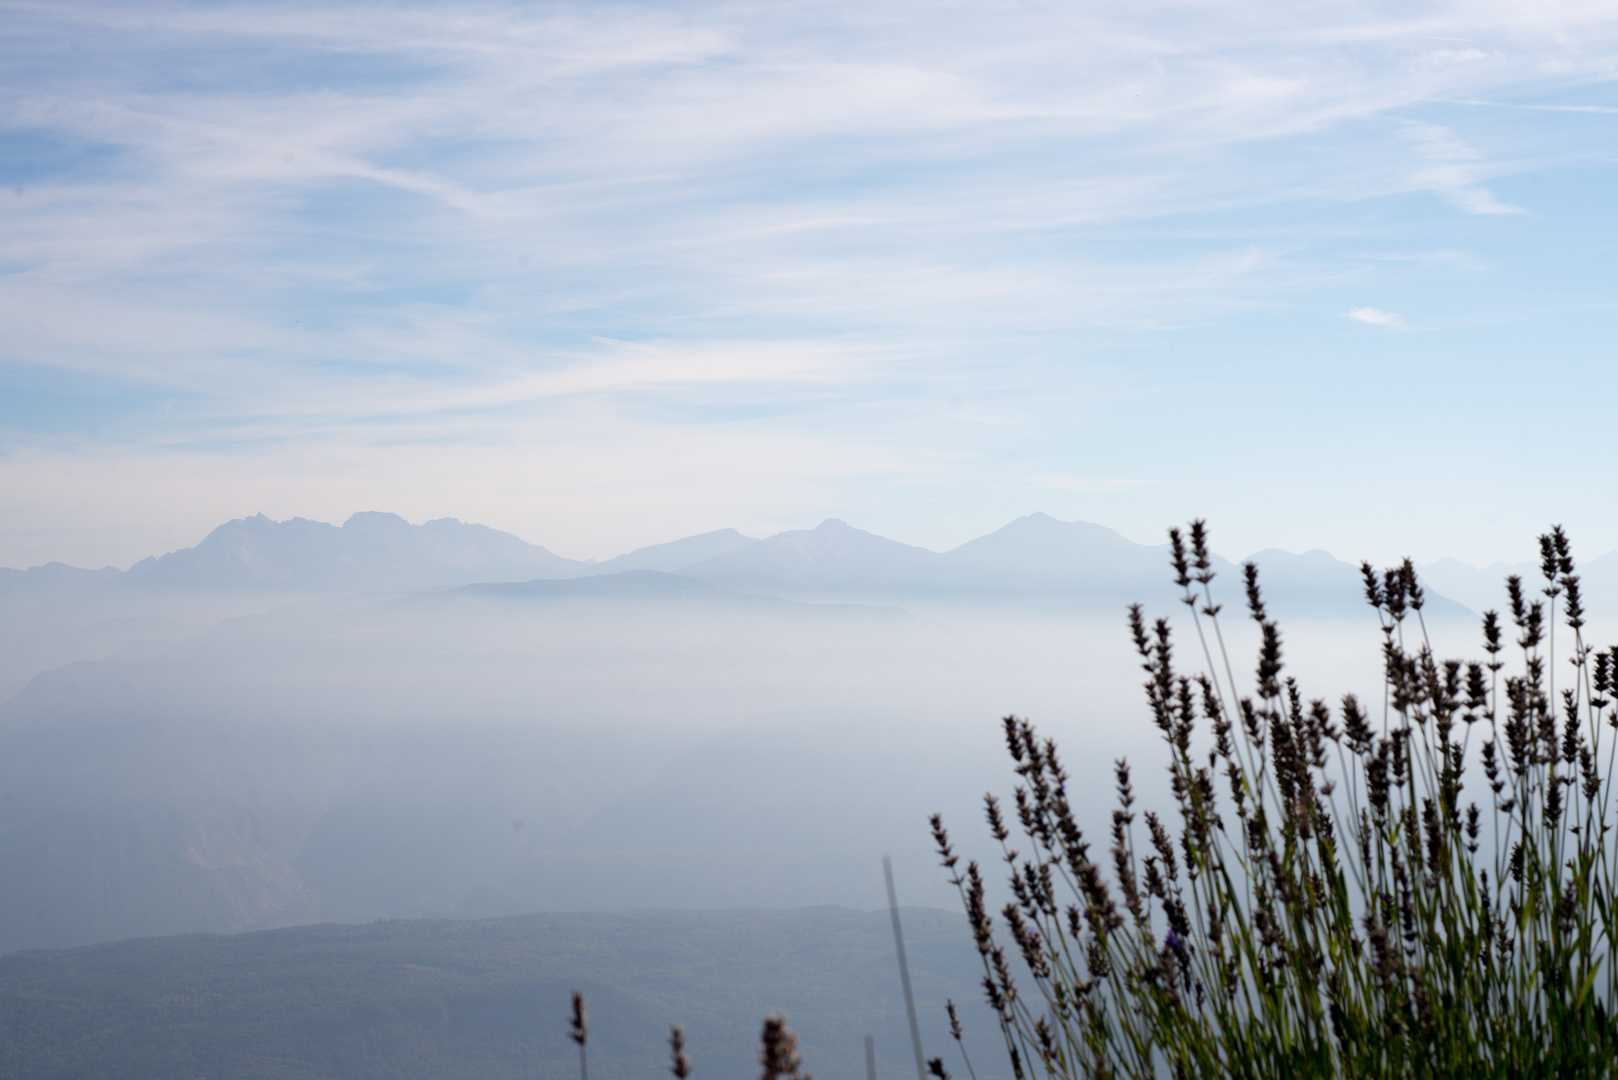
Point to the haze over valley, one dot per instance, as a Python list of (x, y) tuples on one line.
[(507, 499), (297, 722)]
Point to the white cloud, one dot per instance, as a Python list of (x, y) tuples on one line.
[(1376, 317), (428, 223), (1453, 169)]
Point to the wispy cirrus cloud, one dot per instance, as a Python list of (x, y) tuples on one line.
[(455, 223), (1371, 316), (1453, 169)]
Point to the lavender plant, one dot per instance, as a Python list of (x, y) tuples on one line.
[(579, 1032), (778, 1051), (1339, 896), (679, 1061)]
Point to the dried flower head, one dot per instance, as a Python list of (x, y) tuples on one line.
[(680, 1064), (580, 1030), (778, 1050)]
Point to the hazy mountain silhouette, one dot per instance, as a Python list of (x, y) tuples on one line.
[(831, 558), (41, 584), (1034, 554), (370, 552), (57, 614), (676, 555), (251, 560), (1035, 558), (1039, 554), (1317, 584), (1484, 588)]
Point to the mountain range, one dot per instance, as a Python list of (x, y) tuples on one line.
[(1033, 557), (370, 552), (56, 614)]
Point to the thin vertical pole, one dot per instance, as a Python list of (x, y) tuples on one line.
[(870, 1058), (904, 969)]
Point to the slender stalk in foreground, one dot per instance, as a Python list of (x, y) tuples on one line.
[(580, 1033), (1329, 898)]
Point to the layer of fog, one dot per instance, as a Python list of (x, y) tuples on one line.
[(617, 741)]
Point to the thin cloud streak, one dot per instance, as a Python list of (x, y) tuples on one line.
[(1374, 317), (331, 227)]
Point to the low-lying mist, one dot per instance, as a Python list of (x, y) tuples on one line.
[(209, 742), (635, 741)]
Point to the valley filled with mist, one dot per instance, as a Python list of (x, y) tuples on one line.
[(297, 722), (301, 723)]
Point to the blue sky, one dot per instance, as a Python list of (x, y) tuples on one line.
[(1331, 275)]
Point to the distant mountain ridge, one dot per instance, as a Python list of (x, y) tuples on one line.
[(676, 555), (1039, 550), (49, 581), (1036, 557), (1482, 588), (831, 557), (370, 552)]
